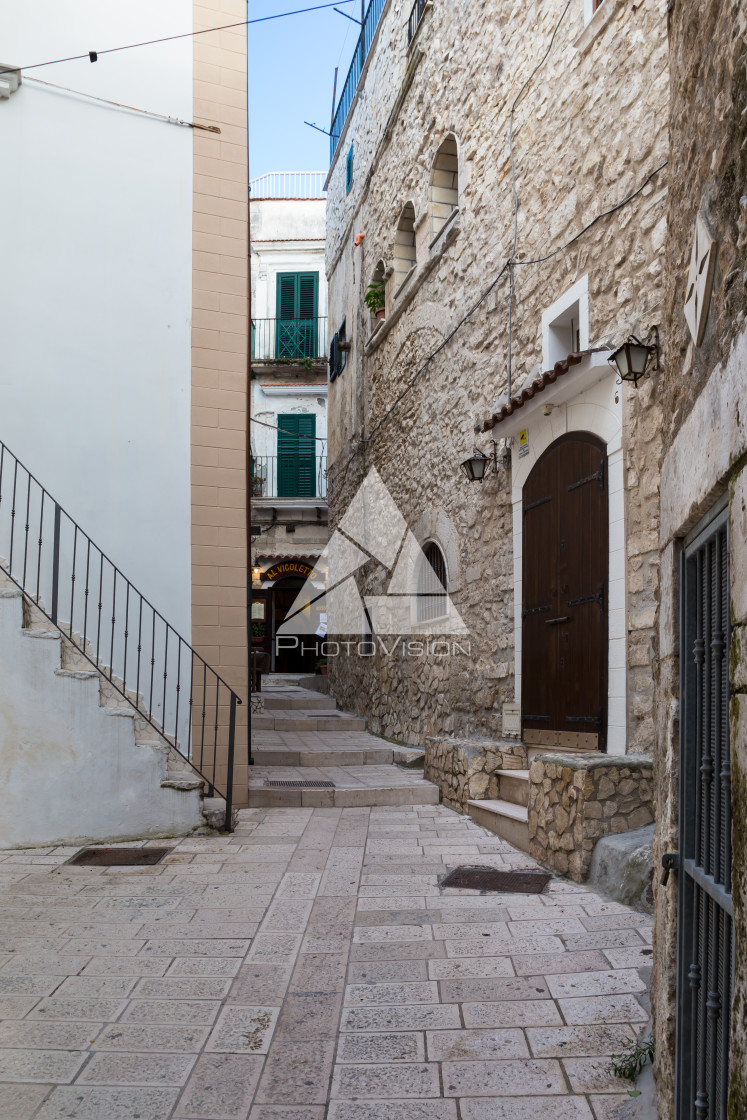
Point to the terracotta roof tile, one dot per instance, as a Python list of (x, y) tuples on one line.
[(549, 377)]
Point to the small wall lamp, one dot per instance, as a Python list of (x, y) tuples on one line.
[(477, 466), (634, 358), (256, 574)]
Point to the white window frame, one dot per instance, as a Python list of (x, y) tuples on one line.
[(577, 293)]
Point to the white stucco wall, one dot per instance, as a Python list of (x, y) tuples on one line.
[(72, 770), (287, 236), (95, 313)]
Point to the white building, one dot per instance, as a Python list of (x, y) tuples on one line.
[(289, 400), (124, 375), (96, 250)]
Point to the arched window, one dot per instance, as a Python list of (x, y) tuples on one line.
[(432, 580), (375, 293), (444, 184), (404, 245)]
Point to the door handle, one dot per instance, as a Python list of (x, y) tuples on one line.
[(670, 861), (552, 621)]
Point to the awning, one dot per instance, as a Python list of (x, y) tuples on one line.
[(538, 385)]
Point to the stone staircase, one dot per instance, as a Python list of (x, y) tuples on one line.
[(302, 738), (82, 763), (507, 814)]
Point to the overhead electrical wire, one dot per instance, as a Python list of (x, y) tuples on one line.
[(319, 439), (93, 56), (537, 260)]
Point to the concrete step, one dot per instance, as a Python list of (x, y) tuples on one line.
[(283, 700), (505, 819), (335, 756), (301, 720), (379, 785), (513, 786), (533, 752)]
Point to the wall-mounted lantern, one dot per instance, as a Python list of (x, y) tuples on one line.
[(477, 467), (256, 574), (634, 358)]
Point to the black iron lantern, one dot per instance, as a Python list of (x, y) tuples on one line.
[(476, 466), (633, 358)]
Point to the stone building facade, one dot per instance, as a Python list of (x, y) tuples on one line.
[(570, 108), (702, 407)]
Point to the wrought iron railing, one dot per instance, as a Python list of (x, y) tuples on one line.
[(288, 184), (363, 46), (98, 610), (289, 340), (415, 17), (289, 476)]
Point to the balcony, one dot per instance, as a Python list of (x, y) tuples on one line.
[(363, 46), (289, 340), (288, 185), (289, 476)]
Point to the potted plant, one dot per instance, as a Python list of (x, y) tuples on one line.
[(258, 631), (256, 481), (374, 299), (321, 666)]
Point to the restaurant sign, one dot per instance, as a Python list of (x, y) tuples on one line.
[(290, 568)]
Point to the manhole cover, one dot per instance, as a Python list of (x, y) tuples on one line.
[(303, 784), (119, 857), (489, 879)]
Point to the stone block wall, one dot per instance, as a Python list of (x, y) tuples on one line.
[(575, 799), (464, 769), (474, 60)]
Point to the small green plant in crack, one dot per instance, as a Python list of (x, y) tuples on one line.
[(630, 1061)]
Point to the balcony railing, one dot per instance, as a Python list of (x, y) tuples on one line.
[(289, 340), (415, 17), (288, 184), (365, 39), (289, 476)]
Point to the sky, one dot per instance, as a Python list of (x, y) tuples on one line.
[(291, 71)]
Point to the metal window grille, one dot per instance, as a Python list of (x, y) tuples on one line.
[(415, 17), (706, 933), (431, 601)]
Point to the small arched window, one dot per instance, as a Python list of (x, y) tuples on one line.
[(432, 581), (444, 184), (404, 245), (376, 292)]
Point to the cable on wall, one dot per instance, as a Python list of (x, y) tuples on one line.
[(514, 192), (537, 260), (131, 108)]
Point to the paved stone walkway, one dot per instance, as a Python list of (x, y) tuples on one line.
[(311, 967)]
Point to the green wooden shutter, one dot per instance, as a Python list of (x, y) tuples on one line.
[(296, 456), (297, 299)]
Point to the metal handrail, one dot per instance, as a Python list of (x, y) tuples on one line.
[(306, 478), (363, 46), (288, 185), (289, 340), (209, 723)]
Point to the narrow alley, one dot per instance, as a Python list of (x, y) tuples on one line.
[(312, 965)]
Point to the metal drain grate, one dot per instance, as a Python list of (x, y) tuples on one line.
[(301, 784), (119, 857), (490, 879)]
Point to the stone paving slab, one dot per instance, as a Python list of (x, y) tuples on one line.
[(311, 967)]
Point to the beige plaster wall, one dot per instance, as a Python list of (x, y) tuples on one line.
[(219, 348)]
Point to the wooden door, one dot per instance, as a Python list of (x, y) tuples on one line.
[(564, 592)]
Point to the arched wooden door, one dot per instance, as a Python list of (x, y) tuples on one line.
[(564, 592)]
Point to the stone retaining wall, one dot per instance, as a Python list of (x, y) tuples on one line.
[(464, 769), (575, 799)]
